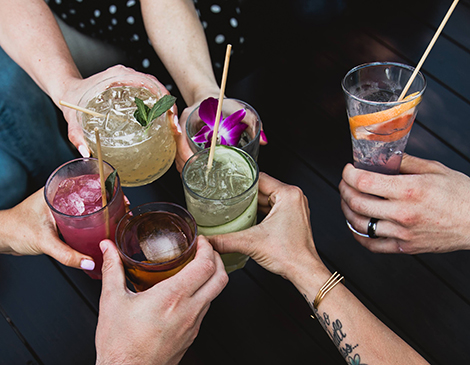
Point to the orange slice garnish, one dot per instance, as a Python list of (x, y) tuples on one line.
[(386, 125)]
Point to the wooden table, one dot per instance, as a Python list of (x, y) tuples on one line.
[(49, 312)]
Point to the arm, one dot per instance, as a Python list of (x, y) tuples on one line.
[(158, 325), (425, 209), (284, 246), (29, 229), (179, 40)]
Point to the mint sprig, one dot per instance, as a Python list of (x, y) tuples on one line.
[(144, 115), (109, 184)]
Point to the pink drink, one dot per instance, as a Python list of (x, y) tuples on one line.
[(77, 209)]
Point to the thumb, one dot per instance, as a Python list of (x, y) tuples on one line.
[(235, 241), (113, 271), (414, 165)]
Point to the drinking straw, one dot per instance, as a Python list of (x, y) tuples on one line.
[(80, 109), (219, 107), (102, 181), (431, 44)]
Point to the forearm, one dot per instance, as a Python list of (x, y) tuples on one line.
[(31, 36), (179, 40), (355, 331)]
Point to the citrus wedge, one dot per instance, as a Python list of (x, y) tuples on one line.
[(386, 125)]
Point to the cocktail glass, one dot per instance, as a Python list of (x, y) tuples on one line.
[(73, 193), (380, 124), (225, 198), (249, 141), (155, 241), (140, 154)]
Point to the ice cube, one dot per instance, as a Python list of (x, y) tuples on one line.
[(75, 204), (162, 246)]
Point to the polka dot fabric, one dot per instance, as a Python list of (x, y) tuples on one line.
[(120, 23)]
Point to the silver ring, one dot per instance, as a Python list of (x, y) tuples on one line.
[(356, 232), (372, 228)]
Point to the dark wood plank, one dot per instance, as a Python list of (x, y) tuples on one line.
[(50, 315)]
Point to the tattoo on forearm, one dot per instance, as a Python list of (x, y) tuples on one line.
[(334, 329)]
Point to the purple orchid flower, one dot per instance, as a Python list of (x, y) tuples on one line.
[(230, 128)]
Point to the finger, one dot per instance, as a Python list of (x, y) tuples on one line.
[(365, 204), (199, 270), (372, 183), (240, 241), (381, 245), (263, 140), (360, 223), (414, 165), (67, 256), (214, 286), (75, 134), (114, 279)]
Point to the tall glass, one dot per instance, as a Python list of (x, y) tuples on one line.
[(73, 193), (155, 241), (225, 199), (140, 154), (380, 124), (249, 141)]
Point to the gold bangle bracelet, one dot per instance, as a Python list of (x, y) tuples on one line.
[(334, 280)]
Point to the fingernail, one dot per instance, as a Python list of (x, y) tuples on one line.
[(103, 246), (83, 151), (263, 137), (178, 127), (86, 264)]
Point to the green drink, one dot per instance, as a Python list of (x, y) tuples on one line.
[(223, 199)]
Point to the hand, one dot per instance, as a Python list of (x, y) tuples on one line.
[(158, 325), (30, 229), (76, 87), (282, 243), (423, 210)]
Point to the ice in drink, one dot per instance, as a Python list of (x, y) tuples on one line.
[(225, 198), (140, 154), (73, 192), (155, 241), (380, 124)]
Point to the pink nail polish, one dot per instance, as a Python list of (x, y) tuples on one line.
[(263, 136), (86, 264), (103, 246)]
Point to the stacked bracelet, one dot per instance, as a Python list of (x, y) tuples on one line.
[(330, 284)]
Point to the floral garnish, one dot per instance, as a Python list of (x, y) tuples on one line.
[(230, 128), (144, 115)]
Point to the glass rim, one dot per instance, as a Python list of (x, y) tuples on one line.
[(124, 79), (249, 144), (155, 264), (386, 63), (108, 203), (207, 150)]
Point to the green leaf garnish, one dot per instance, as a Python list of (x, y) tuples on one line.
[(109, 184), (144, 115)]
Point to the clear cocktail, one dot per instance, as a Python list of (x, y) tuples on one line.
[(225, 198), (155, 241), (73, 193), (380, 124), (140, 154)]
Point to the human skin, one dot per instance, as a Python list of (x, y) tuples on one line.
[(30, 229), (158, 325), (282, 243), (424, 209)]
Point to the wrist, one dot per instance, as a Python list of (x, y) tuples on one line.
[(309, 276), (200, 93)]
